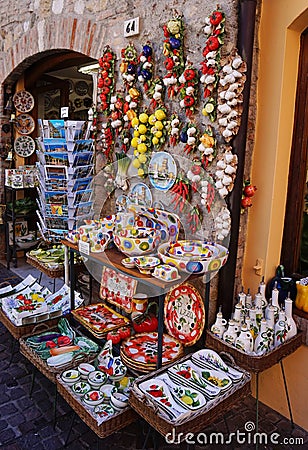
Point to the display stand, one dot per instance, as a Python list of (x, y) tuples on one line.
[(112, 258)]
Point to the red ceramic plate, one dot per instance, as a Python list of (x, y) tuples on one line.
[(184, 314)]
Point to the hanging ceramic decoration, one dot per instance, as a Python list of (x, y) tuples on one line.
[(140, 194), (24, 146), (184, 314), (121, 203), (23, 101), (162, 171), (140, 351), (24, 124)]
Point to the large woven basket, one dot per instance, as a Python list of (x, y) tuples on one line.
[(24, 330), (51, 273), (196, 422), (255, 363), (42, 366), (115, 423)]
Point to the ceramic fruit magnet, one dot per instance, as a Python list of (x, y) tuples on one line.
[(24, 146), (23, 101), (162, 171), (24, 124), (184, 314)]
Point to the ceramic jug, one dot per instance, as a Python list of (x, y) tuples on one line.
[(238, 314), (242, 297), (263, 341), (262, 289), (244, 341), (219, 327), (292, 328), (280, 330), (230, 334), (254, 323)]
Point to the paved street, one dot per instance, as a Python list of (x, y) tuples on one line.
[(27, 423)]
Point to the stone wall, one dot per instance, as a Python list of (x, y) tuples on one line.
[(31, 29)]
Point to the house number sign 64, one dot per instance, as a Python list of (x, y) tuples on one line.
[(131, 27)]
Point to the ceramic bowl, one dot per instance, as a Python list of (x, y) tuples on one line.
[(190, 266), (97, 378), (85, 369), (128, 262), (118, 399), (137, 241), (146, 263), (81, 388), (119, 369), (167, 223), (70, 376), (98, 241), (93, 398), (192, 250)]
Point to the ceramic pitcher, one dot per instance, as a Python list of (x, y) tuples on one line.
[(230, 334), (281, 329), (263, 341), (244, 341), (219, 327)]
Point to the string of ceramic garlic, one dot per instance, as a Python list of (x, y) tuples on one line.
[(222, 223), (230, 97), (225, 172)]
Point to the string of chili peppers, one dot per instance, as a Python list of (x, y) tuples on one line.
[(194, 218), (181, 192)]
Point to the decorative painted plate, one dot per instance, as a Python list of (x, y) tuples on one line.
[(24, 124), (81, 88), (24, 146), (141, 349), (23, 101), (162, 171), (140, 194), (184, 314), (99, 318)]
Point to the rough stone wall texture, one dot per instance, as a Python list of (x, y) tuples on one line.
[(33, 28)]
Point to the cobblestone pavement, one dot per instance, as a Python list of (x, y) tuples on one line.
[(27, 423)]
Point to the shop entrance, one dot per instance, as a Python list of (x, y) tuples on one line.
[(294, 253)]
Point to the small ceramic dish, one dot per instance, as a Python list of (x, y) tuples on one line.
[(118, 399), (93, 398), (128, 262), (147, 263), (85, 369), (97, 378), (70, 376), (81, 388), (104, 411), (106, 390)]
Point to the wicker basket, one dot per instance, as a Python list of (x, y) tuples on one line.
[(198, 420), (51, 273), (255, 363), (115, 423), (19, 331), (42, 366)]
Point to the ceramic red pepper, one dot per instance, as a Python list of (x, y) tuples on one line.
[(146, 322)]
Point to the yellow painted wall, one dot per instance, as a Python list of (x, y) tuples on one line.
[(282, 22)]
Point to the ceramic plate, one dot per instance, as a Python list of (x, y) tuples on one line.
[(59, 360), (24, 124), (140, 194), (162, 171), (24, 146), (23, 101), (142, 348), (186, 397), (209, 358), (184, 314)]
